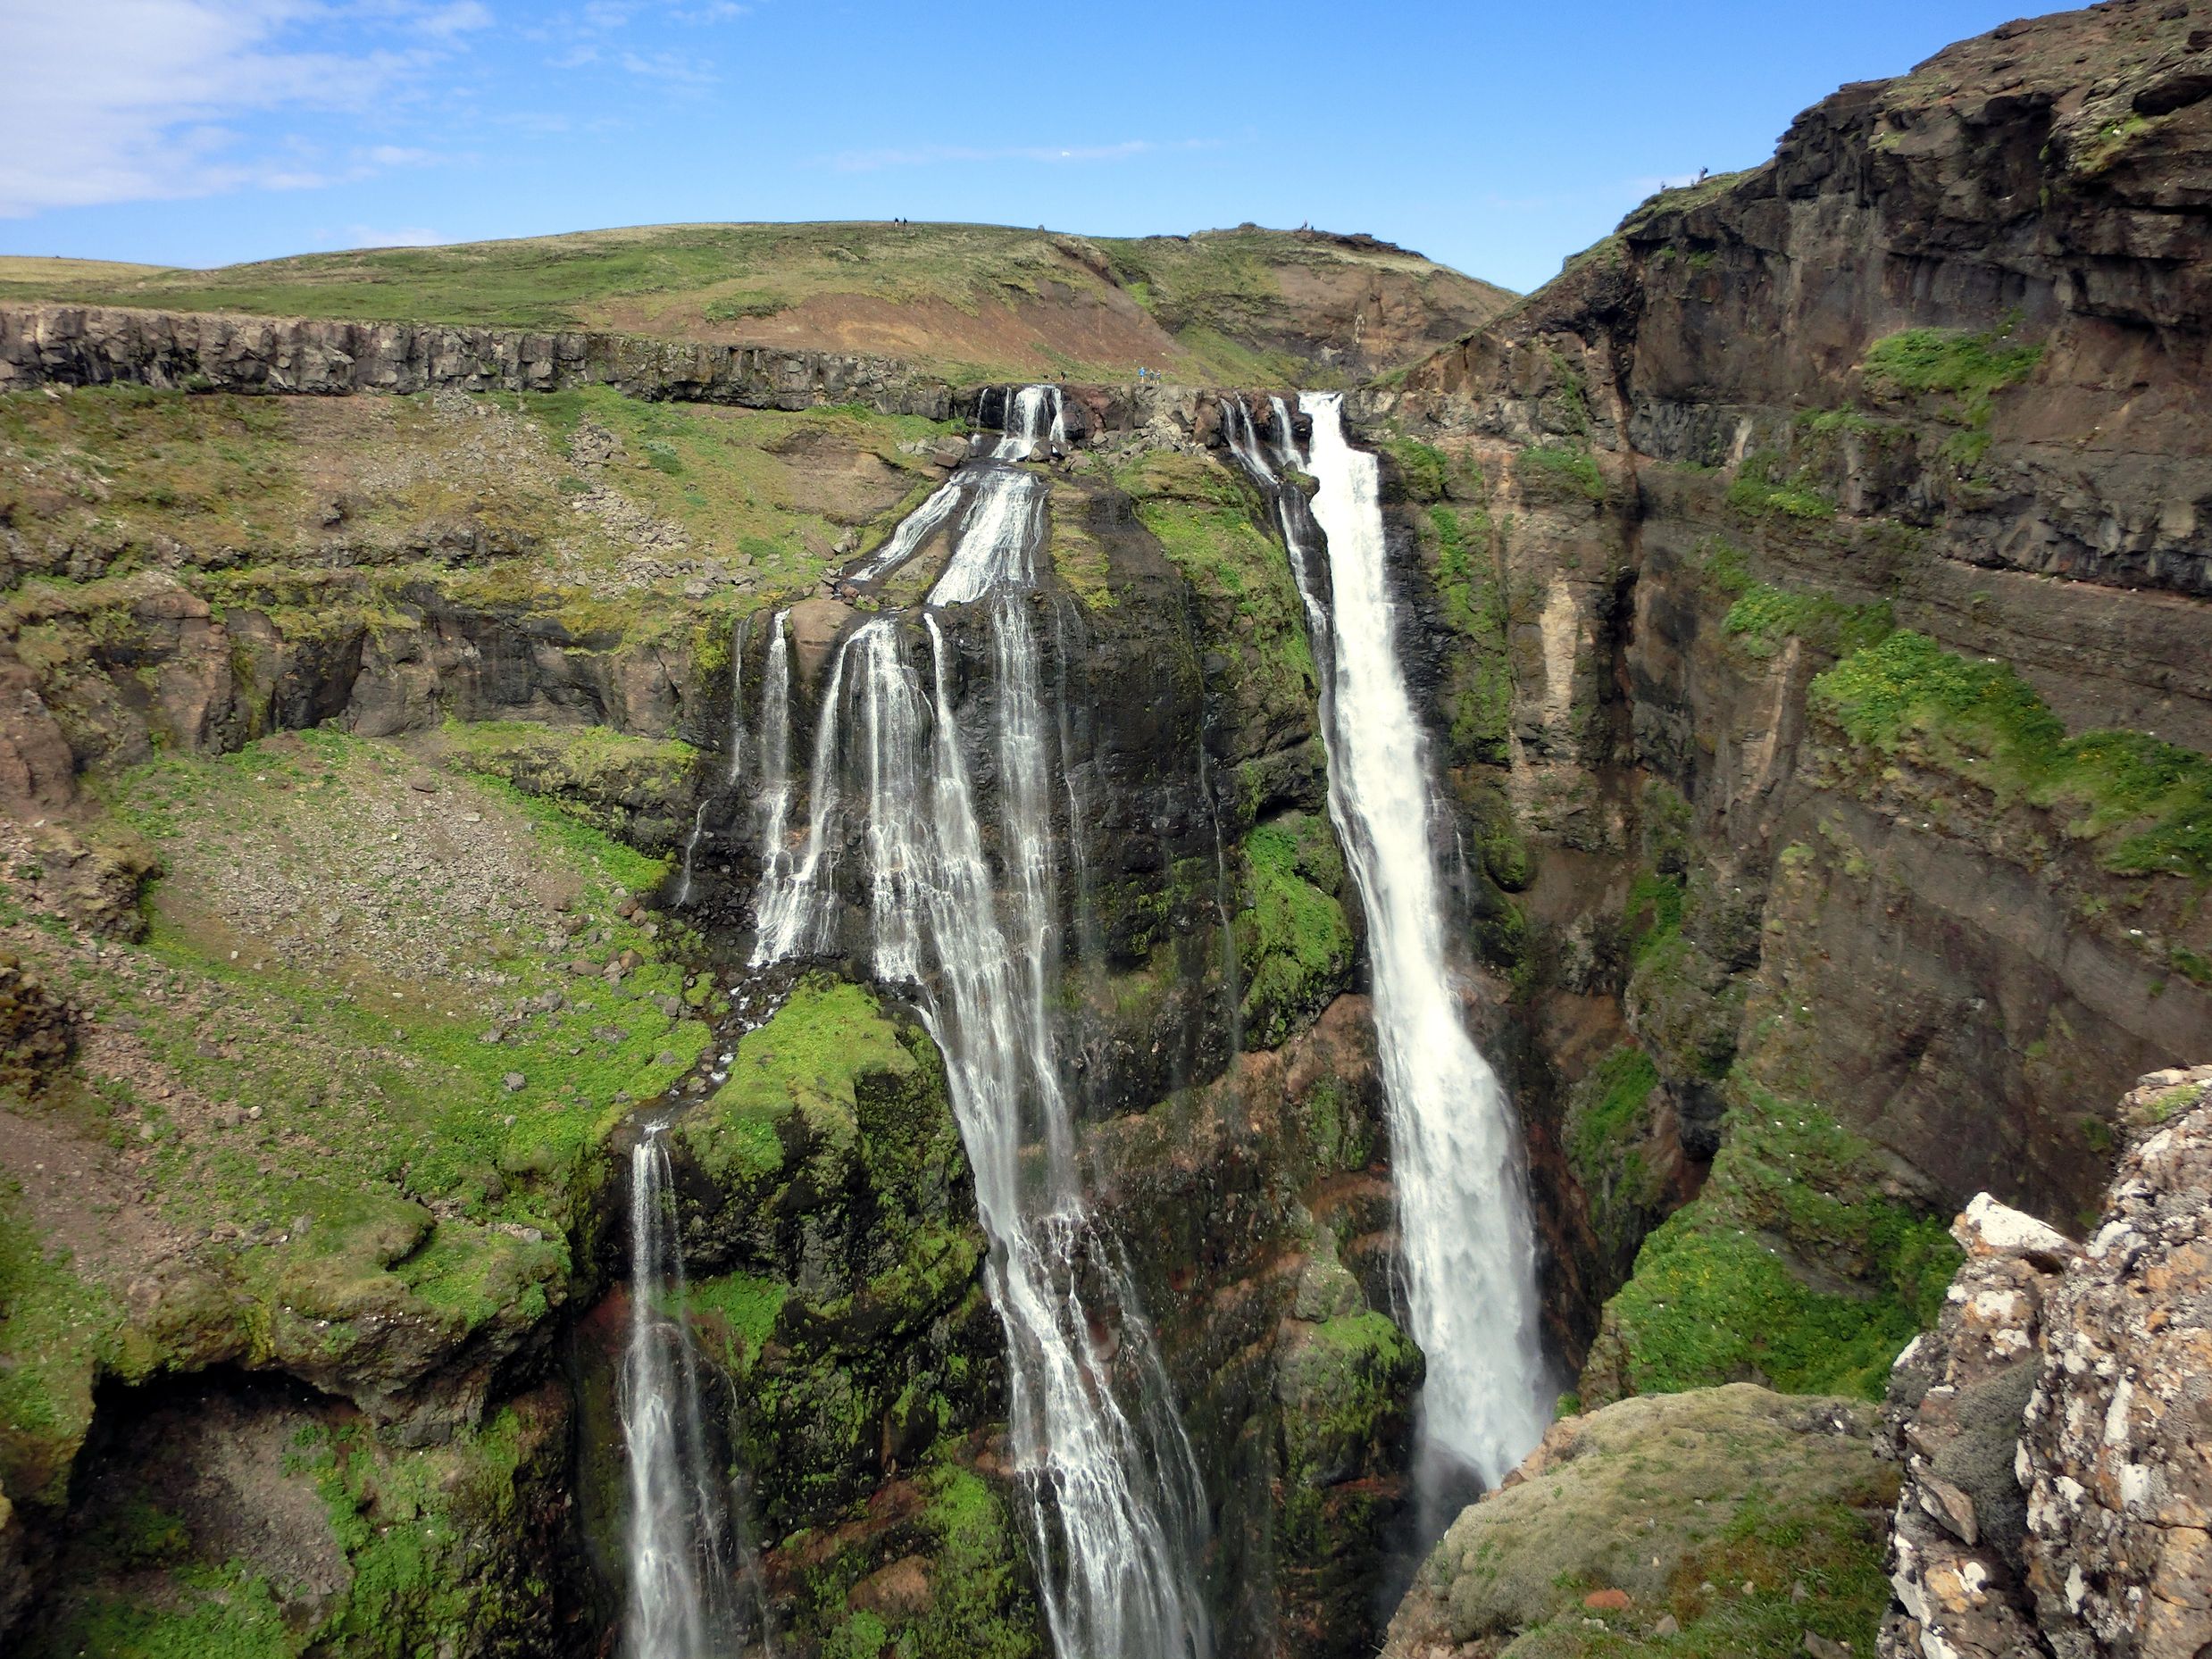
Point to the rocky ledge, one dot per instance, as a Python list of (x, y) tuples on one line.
[(101, 345), (2044, 1445)]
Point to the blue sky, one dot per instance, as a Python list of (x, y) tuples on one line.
[(1499, 137)]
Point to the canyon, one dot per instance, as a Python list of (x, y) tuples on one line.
[(984, 1012)]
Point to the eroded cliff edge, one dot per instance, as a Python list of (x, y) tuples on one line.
[(1814, 580)]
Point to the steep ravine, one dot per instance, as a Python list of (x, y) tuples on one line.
[(1805, 597)]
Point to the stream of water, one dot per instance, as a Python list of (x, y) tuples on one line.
[(1467, 1243), (695, 1586), (1112, 1494)]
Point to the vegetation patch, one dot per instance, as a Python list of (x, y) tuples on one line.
[(1294, 942), (1972, 368), (806, 1061), (357, 1065), (2146, 804), (1606, 1120), (1208, 522), (1765, 486), (1741, 1518), (1762, 616), (56, 1333), (1564, 469), (1472, 599), (1738, 1284)]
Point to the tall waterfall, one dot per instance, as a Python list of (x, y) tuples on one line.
[(686, 1557), (1110, 1488), (1466, 1242)]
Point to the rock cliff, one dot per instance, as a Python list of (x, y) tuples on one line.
[(1813, 580), (1806, 595)]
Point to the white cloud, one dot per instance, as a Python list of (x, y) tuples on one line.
[(934, 154), (448, 20), (134, 100), (667, 66), (382, 155)]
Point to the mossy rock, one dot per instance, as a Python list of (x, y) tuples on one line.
[(827, 1212), (1295, 942), (1346, 1386), (1711, 1508), (949, 1579), (1800, 1264), (811, 1062)]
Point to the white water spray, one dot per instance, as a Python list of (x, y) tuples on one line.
[(1465, 1233), (687, 1558), (1113, 1496)]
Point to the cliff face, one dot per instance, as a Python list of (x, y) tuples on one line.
[(2034, 1485), (1816, 577), (1807, 598)]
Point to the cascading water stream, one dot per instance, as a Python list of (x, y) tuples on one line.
[(687, 1559), (1466, 1241), (1113, 1498)]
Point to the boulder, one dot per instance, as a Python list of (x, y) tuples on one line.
[(1636, 1507), (815, 625)]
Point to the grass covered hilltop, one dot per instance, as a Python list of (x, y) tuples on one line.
[(970, 302)]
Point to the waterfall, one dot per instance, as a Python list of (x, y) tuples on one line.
[(685, 1555), (1035, 414), (1466, 1241), (916, 527), (1112, 1495)]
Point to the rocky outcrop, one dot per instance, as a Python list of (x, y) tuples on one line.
[(2047, 1427), (1959, 1541), (2119, 1498), (205, 352), (1657, 1517)]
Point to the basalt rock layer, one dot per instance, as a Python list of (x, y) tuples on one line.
[(1812, 589)]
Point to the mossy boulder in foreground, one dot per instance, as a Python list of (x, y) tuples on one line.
[(1725, 1521)]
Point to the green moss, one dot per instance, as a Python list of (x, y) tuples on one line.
[(740, 1306), (1471, 595), (981, 1602), (355, 1094), (1295, 942), (1208, 520), (1346, 1390), (1654, 917), (1565, 468), (56, 1332), (1764, 487), (1744, 1518), (223, 1613), (1764, 616), (1423, 472), (1971, 366), (1726, 1289), (409, 1522), (1619, 1086), (806, 1060), (2146, 804), (607, 777)]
